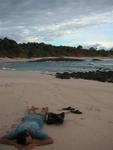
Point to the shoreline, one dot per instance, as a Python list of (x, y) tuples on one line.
[(6, 60), (101, 74)]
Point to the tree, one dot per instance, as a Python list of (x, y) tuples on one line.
[(80, 47)]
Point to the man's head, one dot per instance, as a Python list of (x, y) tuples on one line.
[(24, 138)]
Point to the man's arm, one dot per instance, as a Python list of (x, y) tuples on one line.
[(47, 141), (11, 142), (7, 141)]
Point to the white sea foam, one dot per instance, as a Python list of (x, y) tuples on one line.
[(4, 68)]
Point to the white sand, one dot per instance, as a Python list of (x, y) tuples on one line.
[(93, 130)]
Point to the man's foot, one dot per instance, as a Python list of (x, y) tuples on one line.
[(32, 110), (45, 110)]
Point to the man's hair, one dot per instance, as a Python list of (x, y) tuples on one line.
[(21, 138)]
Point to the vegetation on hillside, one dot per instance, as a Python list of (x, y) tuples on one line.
[(10, 48)]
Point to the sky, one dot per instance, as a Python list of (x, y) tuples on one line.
[(58, 22)]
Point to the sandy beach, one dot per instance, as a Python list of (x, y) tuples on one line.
[(92, 130)]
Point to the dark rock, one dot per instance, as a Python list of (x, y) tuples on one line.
[(103, 76), (57, 59), (64, 75), (96, 59)]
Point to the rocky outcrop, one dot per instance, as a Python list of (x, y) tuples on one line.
[(103, 76)]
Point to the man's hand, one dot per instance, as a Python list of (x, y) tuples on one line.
[(7, 141)]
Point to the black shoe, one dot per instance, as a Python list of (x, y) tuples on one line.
[(54, 118), (61, 115), (76, 111), (68, 108)]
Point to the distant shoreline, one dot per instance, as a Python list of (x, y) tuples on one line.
[(42, 59)]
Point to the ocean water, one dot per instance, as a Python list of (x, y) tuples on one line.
[(60, 66)]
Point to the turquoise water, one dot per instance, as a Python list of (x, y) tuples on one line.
[(60, 66)]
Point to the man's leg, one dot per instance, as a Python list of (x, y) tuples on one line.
[(35, 110)]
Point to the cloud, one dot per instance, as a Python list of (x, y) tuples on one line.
[(48, 19), (106, 45)]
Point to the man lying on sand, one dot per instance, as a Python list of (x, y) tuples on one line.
[(30, 128)]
